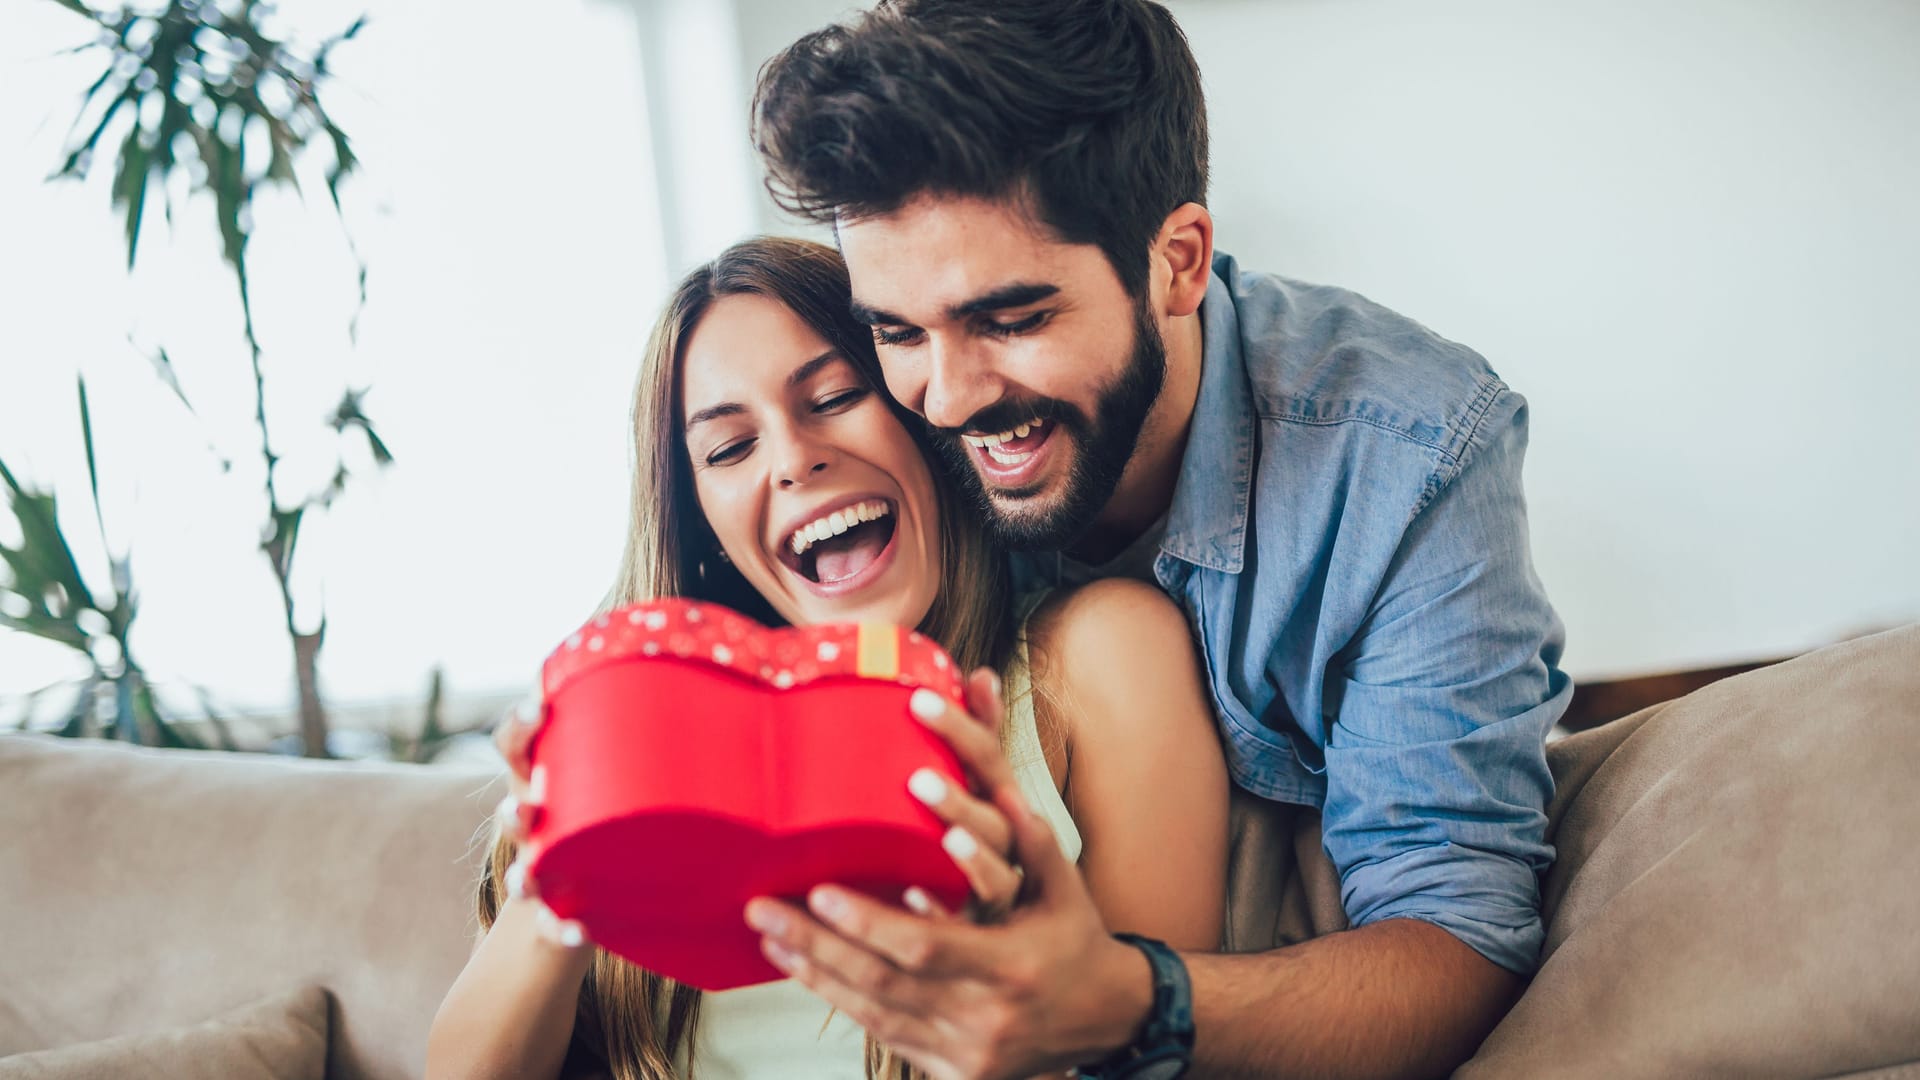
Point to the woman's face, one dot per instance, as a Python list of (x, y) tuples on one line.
[(817, 493)]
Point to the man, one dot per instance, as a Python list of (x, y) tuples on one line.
[(1331, 491)]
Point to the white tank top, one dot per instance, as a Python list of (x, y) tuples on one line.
[(781, 1030)]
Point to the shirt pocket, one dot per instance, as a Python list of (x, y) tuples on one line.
[(1262, 760)]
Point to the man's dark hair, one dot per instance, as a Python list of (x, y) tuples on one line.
[(1089, 111)]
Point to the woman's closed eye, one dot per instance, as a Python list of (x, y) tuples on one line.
[(730, 453), (826, 405), (841, 399)]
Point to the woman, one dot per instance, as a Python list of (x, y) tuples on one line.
[(773, 474)]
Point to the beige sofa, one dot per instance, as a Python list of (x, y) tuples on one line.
[(1737, 894)]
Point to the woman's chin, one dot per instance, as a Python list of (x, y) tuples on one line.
[(889, 598)]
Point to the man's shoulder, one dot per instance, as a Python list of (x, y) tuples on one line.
[(1323, 355)]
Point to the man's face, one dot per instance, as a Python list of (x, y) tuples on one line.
[(1025, 354)]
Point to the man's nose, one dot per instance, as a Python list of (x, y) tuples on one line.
[(960, 382)]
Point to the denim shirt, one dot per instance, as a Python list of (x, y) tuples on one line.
[(1349, 540)]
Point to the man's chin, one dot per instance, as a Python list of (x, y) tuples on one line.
[(1029, 518)]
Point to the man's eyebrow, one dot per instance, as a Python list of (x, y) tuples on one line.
[(1007, 296), (873, 316), (733, 408)]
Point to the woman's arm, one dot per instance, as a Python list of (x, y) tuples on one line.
[(1114, 665), (510, 1013)]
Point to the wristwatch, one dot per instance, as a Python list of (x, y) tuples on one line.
[(1164, 1048)]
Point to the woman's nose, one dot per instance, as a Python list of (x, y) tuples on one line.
[(790, 477), (801, 461)]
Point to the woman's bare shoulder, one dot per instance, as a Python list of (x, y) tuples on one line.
[(1110, 639)]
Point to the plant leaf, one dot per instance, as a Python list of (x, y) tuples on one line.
[(43, 559), (93, 470), (130, 186), (82, 152)]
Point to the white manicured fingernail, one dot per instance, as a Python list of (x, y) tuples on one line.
[(562, 932), (516, 881), (994, 678), (508, 810), (927, 704), (537, 786), (960, 843), (918, 901), (928, 786), (528, 710), (780, 956)]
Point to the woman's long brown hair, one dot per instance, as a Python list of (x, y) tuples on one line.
[(636, 1020)]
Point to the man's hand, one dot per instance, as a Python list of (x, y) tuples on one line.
[(1047, 989)]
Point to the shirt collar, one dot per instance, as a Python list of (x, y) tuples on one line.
[(1207, 522)]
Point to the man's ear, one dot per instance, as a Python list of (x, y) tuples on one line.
[(1184, 252)]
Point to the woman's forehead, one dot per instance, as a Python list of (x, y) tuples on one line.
[(751, 347)]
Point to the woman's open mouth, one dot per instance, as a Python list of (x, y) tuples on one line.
[(839, 551)]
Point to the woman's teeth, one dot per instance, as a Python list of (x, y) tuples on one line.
[(836, 523)]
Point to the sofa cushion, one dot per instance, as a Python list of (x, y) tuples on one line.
[(1735, 888), (146, 889), (281, 1038)]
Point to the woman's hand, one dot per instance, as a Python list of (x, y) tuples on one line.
[(520, 809), (979, 838), (526, 786)]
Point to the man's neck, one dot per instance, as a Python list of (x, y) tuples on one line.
[(1146, 485)]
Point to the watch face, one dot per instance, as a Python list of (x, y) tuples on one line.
[(1168, 1068), (1165, 1063)]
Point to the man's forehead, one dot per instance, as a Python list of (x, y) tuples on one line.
[(938, 252)]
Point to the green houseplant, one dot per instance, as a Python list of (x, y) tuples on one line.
[(44, 593), (204, 90)]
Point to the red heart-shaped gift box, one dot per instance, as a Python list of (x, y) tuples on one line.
[(694, 759)]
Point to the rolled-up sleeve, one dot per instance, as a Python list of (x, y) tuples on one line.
[(1437, 781)]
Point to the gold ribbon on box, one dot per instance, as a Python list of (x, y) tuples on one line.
[(877, 651)]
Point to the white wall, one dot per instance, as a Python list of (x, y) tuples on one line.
[(1687, 232)]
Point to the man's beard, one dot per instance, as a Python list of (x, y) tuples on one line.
[(1103, 446)]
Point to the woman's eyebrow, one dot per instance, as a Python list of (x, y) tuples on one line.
[(733, 408), (725, 408), (812, 367)]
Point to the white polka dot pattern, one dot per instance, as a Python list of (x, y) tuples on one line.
[(696, 632)]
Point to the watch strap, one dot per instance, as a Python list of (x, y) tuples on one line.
[(1164, 1046)]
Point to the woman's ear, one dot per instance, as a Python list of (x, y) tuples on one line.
[(1183, 251)]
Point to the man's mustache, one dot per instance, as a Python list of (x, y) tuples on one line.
[(1006, 415)]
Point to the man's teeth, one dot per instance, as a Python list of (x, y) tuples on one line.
[(988, 442), (836, 523)]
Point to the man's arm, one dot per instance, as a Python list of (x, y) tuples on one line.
[(1393, 998), (1437, 780)]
